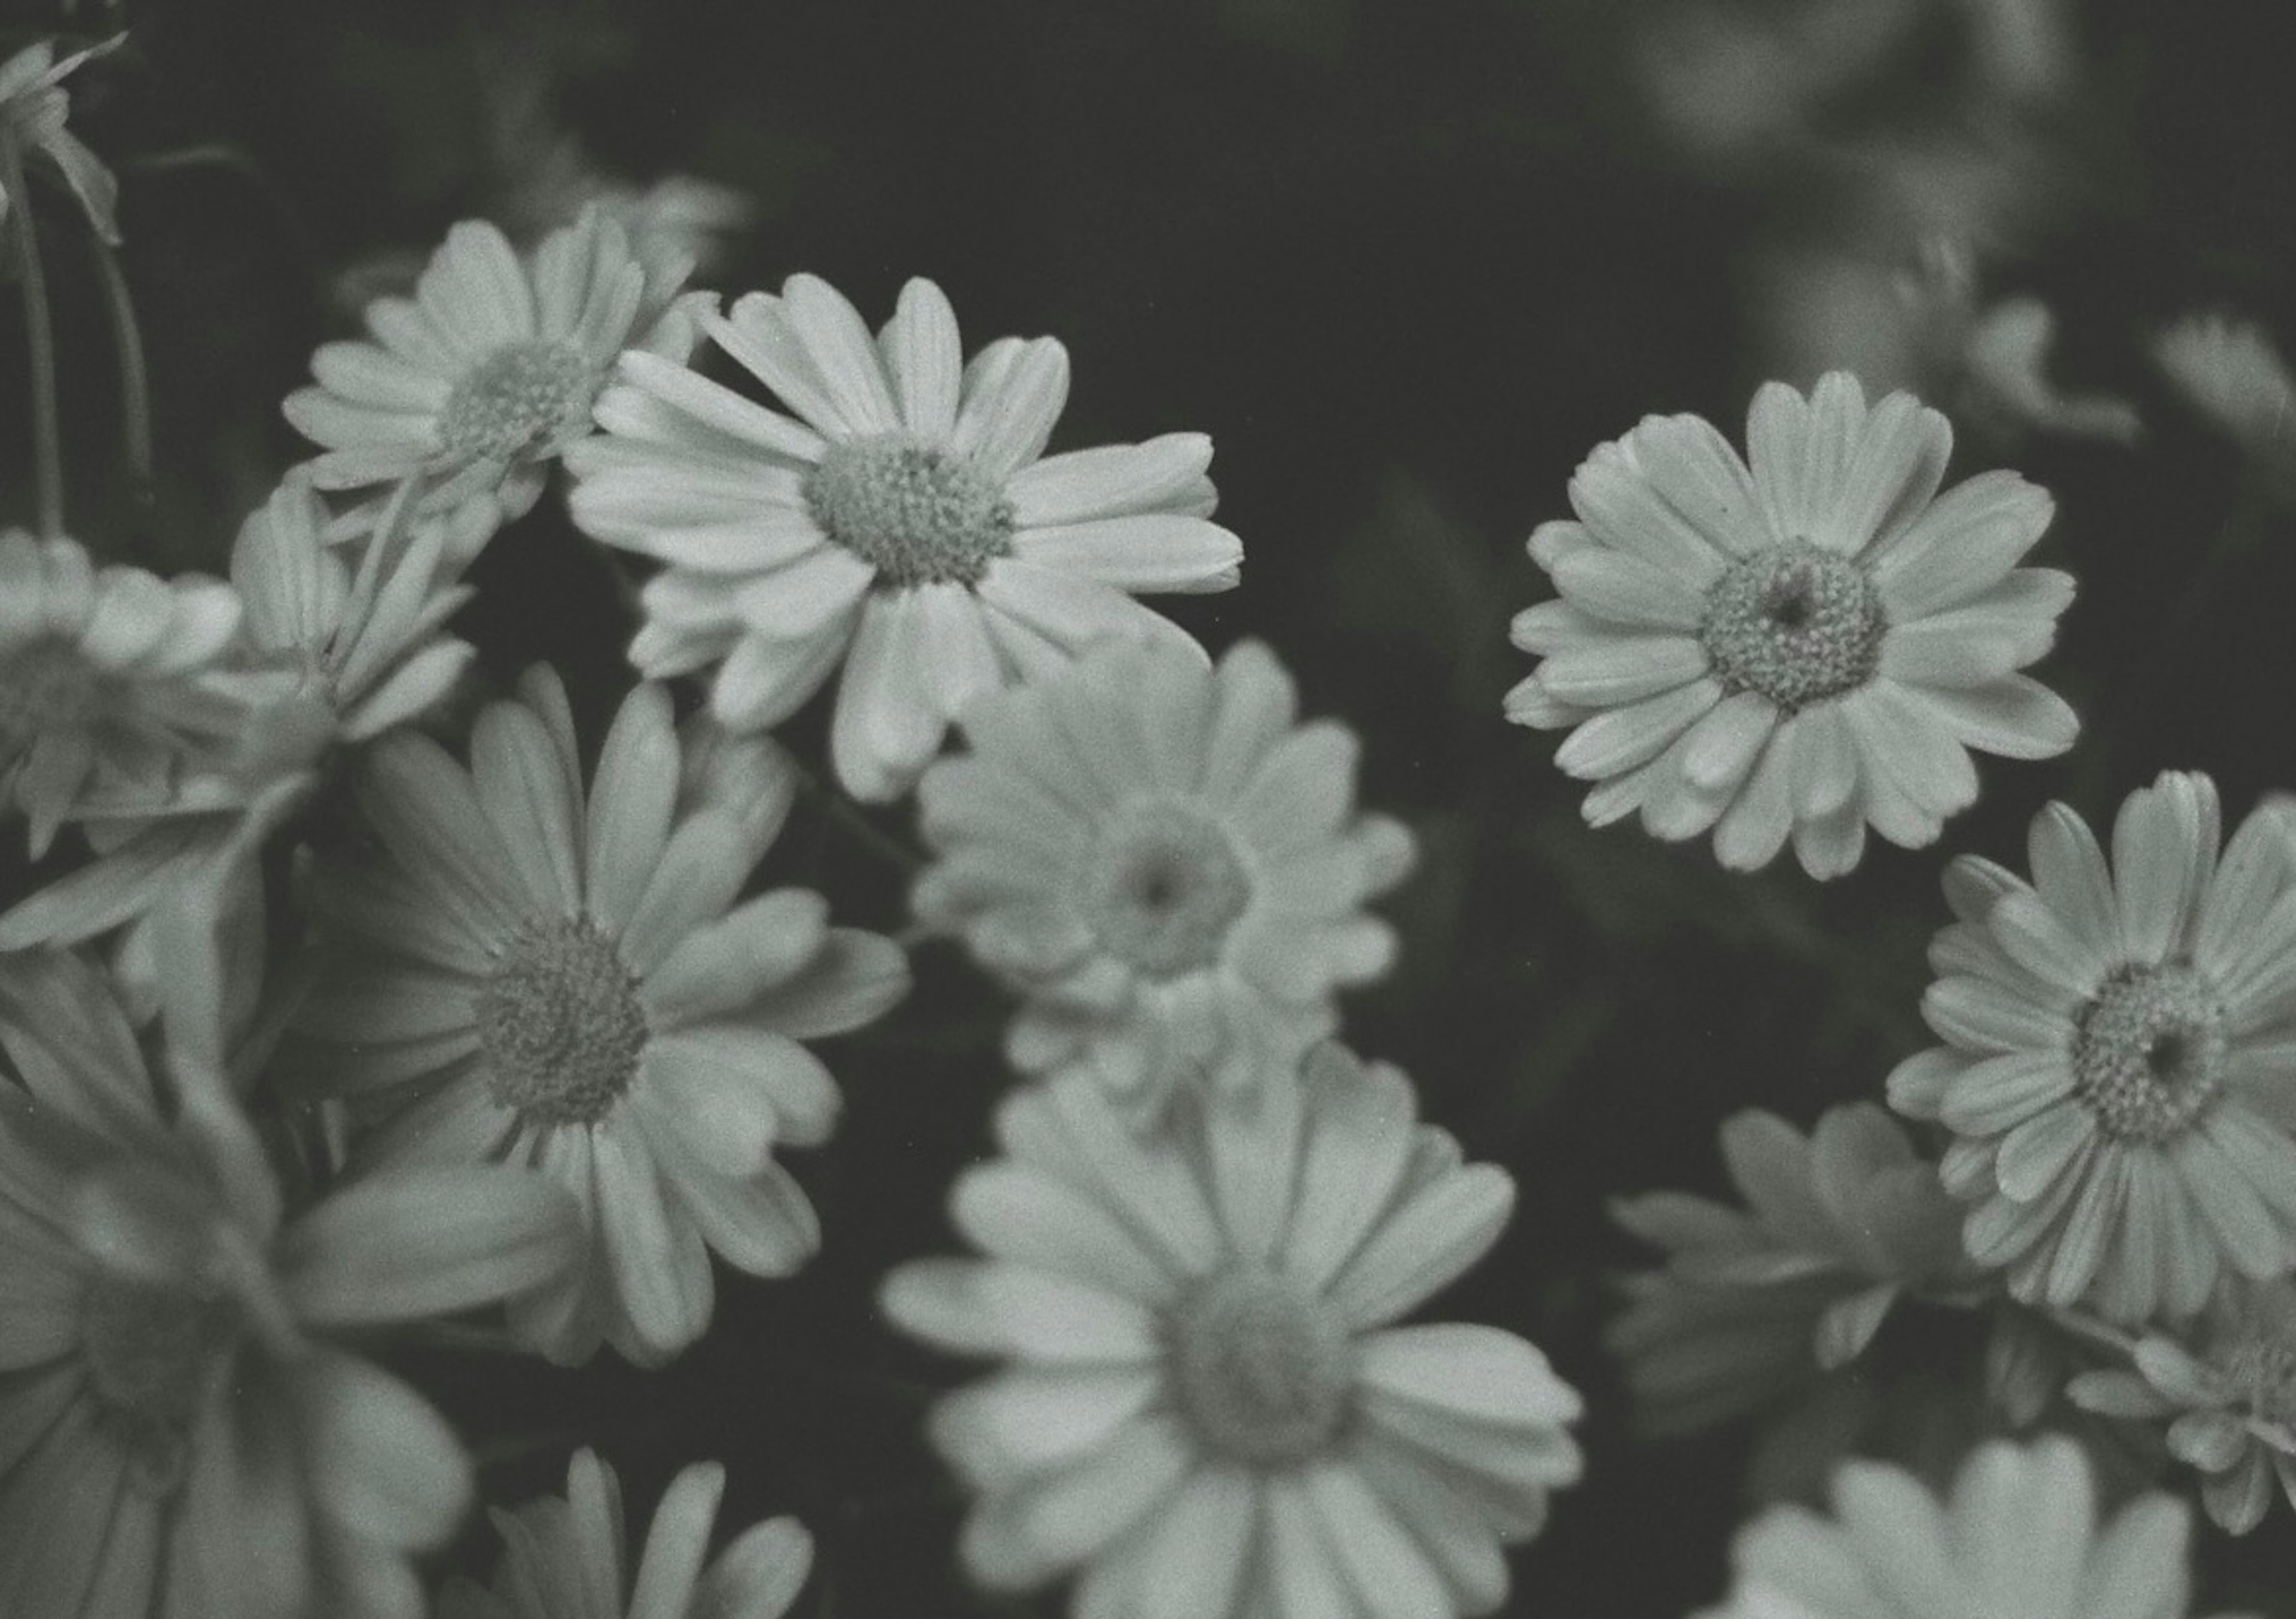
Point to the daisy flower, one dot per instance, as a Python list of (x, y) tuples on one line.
[(2018, 1535), (1754, 1302), (1801, 648), (573, 986), (2233, 374), (1165, 862), (2115, 1037), (1207, 1411), (33, 107), (111, 679), (179, 1437), (2230, 1402), (478, 381), (904, 522), (567, 1557)]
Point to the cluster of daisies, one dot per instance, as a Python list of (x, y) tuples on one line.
[(361, 999)]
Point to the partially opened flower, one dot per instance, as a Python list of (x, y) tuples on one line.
[(478, 381), (905, 523), (1804, 647), (574, 984), (112, 679), (1754, 1303), (567, 1557), (1207, 1411), (2229, 1400), (34, 106), (2018, 1535), (2117, 1056), (2233, 374), (1165, 862), (179, 1435)]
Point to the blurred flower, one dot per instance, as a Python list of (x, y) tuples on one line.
[(2018, 1535), (906, 526), (1210, 1414), (533, 981), (566, 1558), (490, 371), (177, 1435), (1755, 1303), (2232, 1401), (1165, 862), (2006, 382), (111, 679), (677, 224), (2231, 372), (2118, 1055), (33, 107), (1809, 647)]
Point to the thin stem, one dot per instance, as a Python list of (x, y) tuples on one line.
[(135, 376), (39, 341), (847, 814)]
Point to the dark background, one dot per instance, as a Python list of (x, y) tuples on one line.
[(1407, 261)]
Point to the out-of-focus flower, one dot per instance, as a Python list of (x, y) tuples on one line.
[(2117, 1056), (533, 979), (2005, 380), (178, 1435), (482, 378), (909, 526), (1165, 862), (679, 222), (2232, 373), (1754, 1303), (2018, 1535), (566, 1556), (34, 106), (1807, 647), (110, 679), (2230, 1402), (1208, 1413)]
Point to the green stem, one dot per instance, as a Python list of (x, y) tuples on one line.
[(39, 341), (135, 376)]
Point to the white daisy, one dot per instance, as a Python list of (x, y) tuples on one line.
[(577, 986), (905, 521), (2118, 1044), (34, 106), (2017, 1538), (2233, 374), (1806, 648), (178, 1437), (1165, 862), (567, 1557), (1208, 1412), (478, 381)]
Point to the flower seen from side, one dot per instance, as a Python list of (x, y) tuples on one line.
[(567, 1557), (34, 108), (1799, 644), (2117, 1050), (2232, 373), (1206, 1410), (183, 1433), (2228, 1401), (1165, 862), (574, 984), (1754, 1303), (901, 521)]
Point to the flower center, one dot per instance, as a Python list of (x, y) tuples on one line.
[(518, 399), (917, 514), (1259, 1369), (560, 1022), (2148, 1052), (151, 1354), (1164, 889), (45, 686), (1794, 623)]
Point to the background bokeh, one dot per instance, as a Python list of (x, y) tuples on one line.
[(1407, 261)]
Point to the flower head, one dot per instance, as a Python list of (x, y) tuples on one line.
[(2229, 1400), (2018, 1535), (1752, 1304), (2115, 1036), (2233, 374), (1803, 649), (565, 1556), (179, 1433), (1207, 1411), (478, 381), (575, 985), (33, 106), (1165, 862), (906, 522)]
